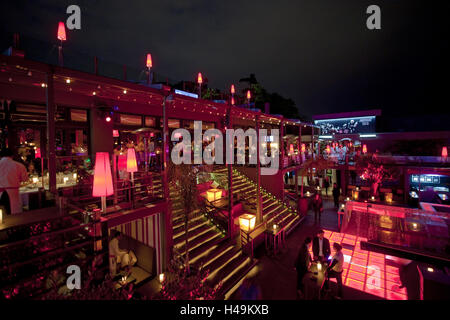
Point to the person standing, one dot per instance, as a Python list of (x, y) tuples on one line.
[(335, 269), (317, 204), (302, 264), (321, 247), (326, 185), (336, 195), (12, 175)]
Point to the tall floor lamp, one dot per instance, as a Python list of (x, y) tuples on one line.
[(103, 185)]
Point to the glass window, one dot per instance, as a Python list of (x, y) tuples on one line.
[(130, 120), (150, 121), (78, 115)]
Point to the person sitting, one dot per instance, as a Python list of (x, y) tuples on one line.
[(321, 247), (118, 256), (336, 268)]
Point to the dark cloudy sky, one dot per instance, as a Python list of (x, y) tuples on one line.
[(317, 52)]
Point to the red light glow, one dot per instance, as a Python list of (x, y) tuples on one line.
[(328, 149), (364, 148), (61, 32), (108, 119), (131, 160), (115, 133), (232, 90), (303, 147), (365, 270), (444, 152), (249, 95), (149, 63), (232, 101), (199, 78), (103, 185)]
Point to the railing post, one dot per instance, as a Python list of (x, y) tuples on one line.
[(51, 113)]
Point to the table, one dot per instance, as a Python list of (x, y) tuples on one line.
[(275, 237), (119, 284), (313, 283), (221, 203)]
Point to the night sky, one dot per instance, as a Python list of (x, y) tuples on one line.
[(317, 52)]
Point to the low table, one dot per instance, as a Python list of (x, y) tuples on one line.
[(119, 284), (314, 282)]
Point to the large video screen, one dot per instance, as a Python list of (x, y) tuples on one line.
[(347, 125)]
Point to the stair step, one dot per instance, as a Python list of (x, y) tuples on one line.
[(218, 267), (236, 275), (204, 249), (194, 234), (204, 238), (179, 230)]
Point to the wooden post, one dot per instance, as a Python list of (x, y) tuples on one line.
[(168, 214), (259, 212), (230, 176), (51, 112), (282, 156)]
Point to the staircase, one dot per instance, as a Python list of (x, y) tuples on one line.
[(209, 248), (274, 210)]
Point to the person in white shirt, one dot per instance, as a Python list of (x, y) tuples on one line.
[(336, 268), (117, 255), (12, 175)]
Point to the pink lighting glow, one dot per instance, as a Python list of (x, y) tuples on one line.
[(149, 63), (103, 185), (199, 78), (37, 153), (249, 95), (115, 133), (232, 90), (131, 160), (328, 149), (61, 32), (365, 270), (364, 148), (444, 153), (303, 147)]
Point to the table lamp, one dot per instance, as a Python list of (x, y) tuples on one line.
[(247, 222), (213, 194), (319, 266), (1, 216), (103, 185), (131, 162)]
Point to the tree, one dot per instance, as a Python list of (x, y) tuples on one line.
[(182, 285), (370, 168), (184, 178)]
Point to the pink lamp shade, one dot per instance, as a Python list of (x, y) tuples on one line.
[(122, 162), (149, 62), (131, 160), (37, 153), (232, 90), (303, 147), (364, 149), (444, 153), (61, 31), (199, 78), (103, 185)]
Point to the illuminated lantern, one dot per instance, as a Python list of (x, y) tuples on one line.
[(131, 160), (388, 197), (37, 153), (232, 101), (232, 90), (199, 78), (115, 133), (162, 278), (149, 63), (364, 149), (213, 194), (61, 32), (152, 134), (103, 185), (444, 153), (328, 149), (291, 148), (350, 144), (303, 147), (249, 95), (355, 194), (247, 222)]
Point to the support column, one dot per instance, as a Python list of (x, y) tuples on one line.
[(282, 157), (168, 214), (259, 215), (312, 143), (230, 150), (51, 112)]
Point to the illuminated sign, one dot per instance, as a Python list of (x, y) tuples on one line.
[(426, 178), (185, 93), (347, 125)]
